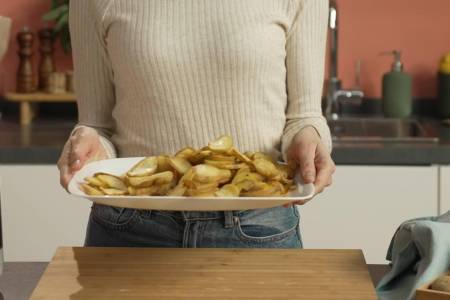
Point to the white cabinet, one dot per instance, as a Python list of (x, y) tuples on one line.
[(444, 204), (366, 204), (37, 214)]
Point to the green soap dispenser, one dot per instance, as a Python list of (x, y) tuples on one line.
[(397, 89)]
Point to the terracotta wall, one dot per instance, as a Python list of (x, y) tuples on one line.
[(25, 13), (421, 29)]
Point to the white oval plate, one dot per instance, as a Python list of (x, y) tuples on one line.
[(119, 166)]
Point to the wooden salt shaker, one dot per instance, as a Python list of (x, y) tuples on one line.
[(25, 80), (56, 83), (46, 65), (69, 82)]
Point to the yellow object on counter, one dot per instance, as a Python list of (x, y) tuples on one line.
[(445, 64)]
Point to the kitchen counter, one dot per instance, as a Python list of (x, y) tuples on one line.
[(20, 278), (38, 143), (42, 141), (397, 153)]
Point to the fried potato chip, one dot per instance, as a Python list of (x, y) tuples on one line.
[(225, 176), (199, 185), (246, 185), (286, 171), (253, 176), (287, 182), (147, 181), (279, 188), (95, 182), (111, 181), (180, 164), (224, 164), (237, 166), (92, 191), (131, 191), (260, 155), (207, 173), (145, 167), (205, 152), (199, 156), (240, 175), (204, 193), (163, 164), (112, 192), (186, 153), (189, 175), (147, 191), (228, 190), (164, 189), (178, 190), (259, 185), (222, 144), (261, 189), (265, 168), (249, 154), (242, 157), (222, 158)]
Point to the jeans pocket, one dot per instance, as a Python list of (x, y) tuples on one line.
[(268, 226), (114, 218)]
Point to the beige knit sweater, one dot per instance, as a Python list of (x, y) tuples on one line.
[(153, 76)]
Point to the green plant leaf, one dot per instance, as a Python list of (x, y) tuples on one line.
[(62, 21), (55, 3), (56, 12), (65, 39), (59, 12)]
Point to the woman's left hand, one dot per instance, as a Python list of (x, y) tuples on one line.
[(312, 157)]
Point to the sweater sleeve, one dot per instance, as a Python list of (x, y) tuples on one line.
[(92, 69), (305, 63)]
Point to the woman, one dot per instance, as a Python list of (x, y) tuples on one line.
[(156, 76)]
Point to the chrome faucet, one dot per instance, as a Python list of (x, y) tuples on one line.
[(335, 93)]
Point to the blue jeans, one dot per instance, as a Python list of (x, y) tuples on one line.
[(266, 228)]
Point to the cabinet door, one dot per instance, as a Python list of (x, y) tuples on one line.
[(37, 213), (444, 204), (365, 205)]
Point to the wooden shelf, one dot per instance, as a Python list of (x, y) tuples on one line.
[(28, 103)]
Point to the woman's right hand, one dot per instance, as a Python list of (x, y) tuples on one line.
[(83, 146)]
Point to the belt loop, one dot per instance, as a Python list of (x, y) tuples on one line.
[(229, 220), (146, 213), (185, 215)]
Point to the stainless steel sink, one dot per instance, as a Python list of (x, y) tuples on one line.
[(381, 130)]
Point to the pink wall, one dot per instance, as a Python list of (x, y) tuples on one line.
[(420, 29), (25, 13)]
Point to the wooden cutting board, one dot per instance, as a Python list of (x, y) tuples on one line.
[(150, 273)]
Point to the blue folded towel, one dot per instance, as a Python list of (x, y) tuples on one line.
[(419, 252)]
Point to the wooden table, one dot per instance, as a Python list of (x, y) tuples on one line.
[(28, 108), (146, 273)]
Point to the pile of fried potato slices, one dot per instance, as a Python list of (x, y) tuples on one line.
[(217, 170)]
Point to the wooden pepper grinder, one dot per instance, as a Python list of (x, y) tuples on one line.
[(25, 80), (46, 65)]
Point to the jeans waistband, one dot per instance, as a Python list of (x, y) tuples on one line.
[(227, 216)]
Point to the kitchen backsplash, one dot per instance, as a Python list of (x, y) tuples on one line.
[(420, 29)]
